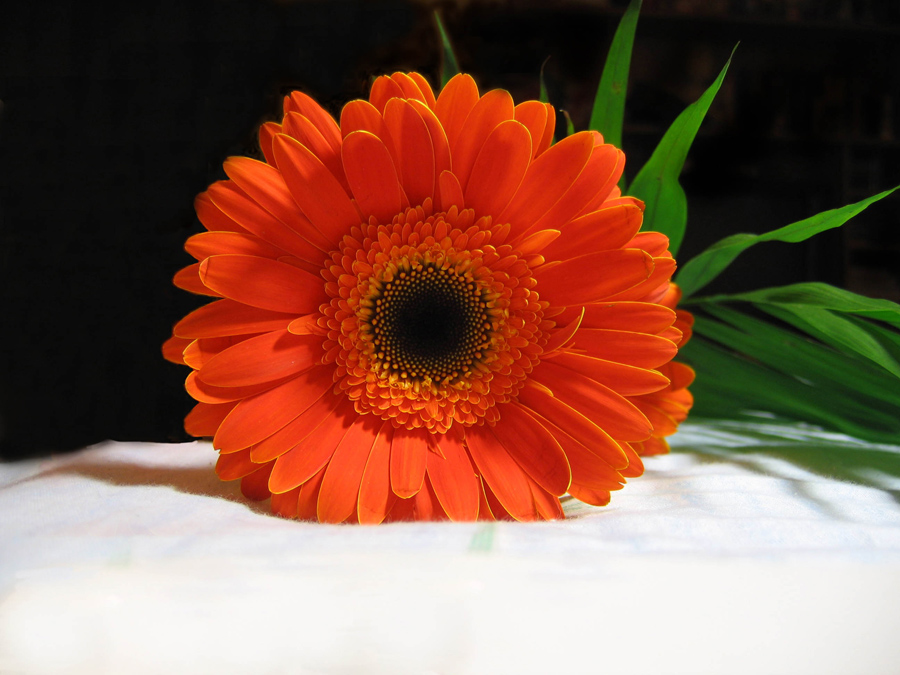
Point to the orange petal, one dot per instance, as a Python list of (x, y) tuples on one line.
[(546, 181), (372, 176), (494, 107), (450, 192), (635, 349), (227, 317), (547, 505), (638, 317), (592, 277), (307, 106), (655, 285), (506, 479), (207, 393), (205, 418), (589, 496), (426, 506), (424, 88), (454, 104), (296, 431), (453, 478), (255, 486), (597, 178), (603, 230), (271, 356), (211, 217), (206, 244), (495, 508), (300, 127), (663, 424), (199, 352), (301, 463), (236, 205), (267, 132), (188, 279), (635, 466), (537, 241), (260, 416), (415, 152), (339, 494), (408, 448), (615, 414), (375, 495), (315, 189), (549, 130), (383, 90), (624, 379), (308, 499), (561, 337), (284, 504), (439, 142), (533, 114), (575, 423), (265, 185), (260, 282), (588, 470), (499, 168), (235, 465), (654, 243), (409, 86), (533, 447), (173, 349), (361, 115)]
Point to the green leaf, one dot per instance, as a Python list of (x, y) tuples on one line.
[(824, 296), (543, 96), (706, 266), (657, 182), (835, 331), (449, 64), (761, 367), (609, 103), (570, 127)]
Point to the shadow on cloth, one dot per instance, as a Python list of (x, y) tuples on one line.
[(200, 481)]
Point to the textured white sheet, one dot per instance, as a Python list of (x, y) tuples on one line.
[(134, 558)]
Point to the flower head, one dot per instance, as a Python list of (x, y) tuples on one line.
[(429, 311)]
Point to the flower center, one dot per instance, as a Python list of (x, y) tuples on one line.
[(433, 319), (431, 323)]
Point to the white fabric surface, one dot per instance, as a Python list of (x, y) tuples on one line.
[(134, 558)]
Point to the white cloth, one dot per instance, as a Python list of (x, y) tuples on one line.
[(723, 558)]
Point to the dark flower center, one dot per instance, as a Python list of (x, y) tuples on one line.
[(431, 323)]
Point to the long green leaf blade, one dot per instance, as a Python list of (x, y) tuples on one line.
[(449, 64), (835, 331), (657, 182), (706, 266), (609, 102), (824, 296)]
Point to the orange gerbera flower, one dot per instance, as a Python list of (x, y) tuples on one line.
[(429, 311)]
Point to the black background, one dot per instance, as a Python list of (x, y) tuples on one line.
[(115, 115)]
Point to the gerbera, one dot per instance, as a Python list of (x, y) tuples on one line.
[(429, 311)]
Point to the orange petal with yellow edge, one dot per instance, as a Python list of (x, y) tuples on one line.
[(375, 495), (301, 463), (499, 168), (372, 176), (593, 277), (260, 416), (339, 493), (408, 448), (453, 478), (454, 104), (260, 282)]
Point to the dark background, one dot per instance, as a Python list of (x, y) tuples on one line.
[(115, 115)]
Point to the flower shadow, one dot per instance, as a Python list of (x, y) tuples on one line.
[(199, 481)]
